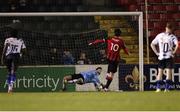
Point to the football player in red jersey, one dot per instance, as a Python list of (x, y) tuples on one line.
[(114, 45)]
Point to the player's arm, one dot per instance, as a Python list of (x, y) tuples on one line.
[(97, 83), (154, 43), (126, 51), (23, 49), (97, 41), (176, 46), (153, 46), (125, 48), (3, 53)]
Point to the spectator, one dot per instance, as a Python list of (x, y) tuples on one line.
[(68, 59), (54, 56), (83, 59), (18, 5), (23, 5), (13, 4), (103, 56)]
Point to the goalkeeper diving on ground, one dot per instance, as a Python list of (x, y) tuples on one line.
[(83, 78)]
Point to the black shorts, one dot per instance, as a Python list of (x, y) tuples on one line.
[(77, 76), (112, 66), (12, 61), (166, 63)]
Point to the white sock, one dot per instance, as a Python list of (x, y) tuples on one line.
[(75, 80), (10, 87), (71, 81)]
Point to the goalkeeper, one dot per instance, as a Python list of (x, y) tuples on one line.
[(84, 77)]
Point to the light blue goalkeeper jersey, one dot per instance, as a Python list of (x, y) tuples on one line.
[(91, 77)]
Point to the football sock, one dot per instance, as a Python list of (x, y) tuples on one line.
[(10, 87), (108, 83), (71, 81), (109, 80), (168, 83), (13, 77), (75, 81), (158, 84), (9, 79)]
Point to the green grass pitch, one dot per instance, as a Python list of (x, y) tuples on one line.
[(110, 101)]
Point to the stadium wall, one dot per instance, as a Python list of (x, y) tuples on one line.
[(49, 78)]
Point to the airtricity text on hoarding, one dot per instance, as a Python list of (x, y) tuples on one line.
[(36, 82)]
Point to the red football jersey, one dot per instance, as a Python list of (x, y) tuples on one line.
[(114, 45)]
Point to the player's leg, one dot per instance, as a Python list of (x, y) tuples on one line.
[(75, 78), (9, 77), (12, 76), (169, 82), (109, 79), (67, 78), (112, 68), (14, 67), (159, 80), (65, 81), (71, 79)]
